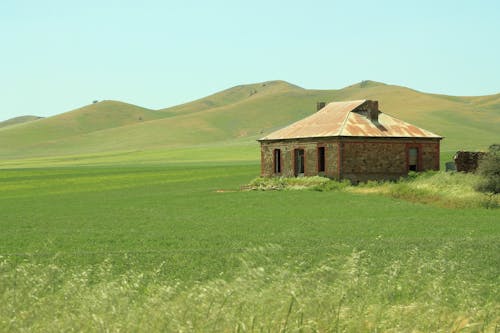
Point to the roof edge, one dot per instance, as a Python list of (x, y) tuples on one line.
[(357, 137)]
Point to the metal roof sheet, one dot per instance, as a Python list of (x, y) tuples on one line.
[(342, 119)]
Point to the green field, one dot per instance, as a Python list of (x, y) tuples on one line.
[(117, 218), (177, 247)]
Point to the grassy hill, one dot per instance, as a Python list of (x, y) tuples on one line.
[(38, 138), (18, 120), (240, 115)]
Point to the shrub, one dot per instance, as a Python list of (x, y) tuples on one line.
[(444, 189), (332, 185), (489, 170), (315, 183)]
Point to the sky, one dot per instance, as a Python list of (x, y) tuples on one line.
[(60, 55)]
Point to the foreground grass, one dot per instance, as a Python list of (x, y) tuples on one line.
[(422, 290), (180, 248)]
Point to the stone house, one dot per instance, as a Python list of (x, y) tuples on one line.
[(349, 140)]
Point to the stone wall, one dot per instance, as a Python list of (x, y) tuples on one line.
[(362, 159), (467, 161), (378, 159), (310, 159), (430, 156)]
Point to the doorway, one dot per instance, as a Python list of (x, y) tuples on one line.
[(413, 159), (299, 162)]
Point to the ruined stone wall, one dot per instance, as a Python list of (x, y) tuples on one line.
[(310, 157), (467, 161)]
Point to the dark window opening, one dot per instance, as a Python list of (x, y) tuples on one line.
[(277, 161), (321, 159), (299, 162), (413, 159)]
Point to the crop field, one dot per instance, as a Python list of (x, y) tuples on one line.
[(178, 247), (119, 218)]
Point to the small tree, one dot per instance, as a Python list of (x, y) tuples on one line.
[(489, 169)]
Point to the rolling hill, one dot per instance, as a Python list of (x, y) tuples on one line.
[(242, 114), (18, 120)]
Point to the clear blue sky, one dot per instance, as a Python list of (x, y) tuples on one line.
[(59, 55)]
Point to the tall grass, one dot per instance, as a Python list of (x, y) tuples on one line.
[(316, 183), (444, 189), (421, 290)]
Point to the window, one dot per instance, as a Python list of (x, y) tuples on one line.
[(413, 159), (321, 159), (277, 161), (299, 162)]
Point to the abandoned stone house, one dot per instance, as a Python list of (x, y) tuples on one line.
[(349, 140)]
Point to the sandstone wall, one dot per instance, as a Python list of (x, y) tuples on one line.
[(379, 159), (430, 156), (310, 157), (467, 161), (362, 159)]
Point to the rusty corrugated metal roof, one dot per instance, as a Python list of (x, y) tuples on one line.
[(348, 119)]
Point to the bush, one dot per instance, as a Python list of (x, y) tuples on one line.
[(315, 183), (444, 189), (332, 185), (489, 170)]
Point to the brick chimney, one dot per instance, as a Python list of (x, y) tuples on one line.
[(373, 112), (320, 105)]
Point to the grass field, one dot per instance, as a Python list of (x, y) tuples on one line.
[(117, 218), (177, 247)]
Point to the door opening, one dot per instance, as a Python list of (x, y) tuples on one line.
[(299, 162), (277, 161), (413, 159), (321, 159)]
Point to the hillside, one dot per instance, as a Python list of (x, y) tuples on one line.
[(18, 120), (243, 113), (233, 95), (36, 138)]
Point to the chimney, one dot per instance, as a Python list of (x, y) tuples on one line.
[(373, 111), (320, 105)]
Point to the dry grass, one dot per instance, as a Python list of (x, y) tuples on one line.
[(315, 183), (451, 190)]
